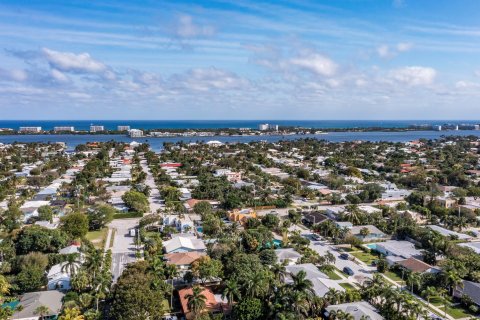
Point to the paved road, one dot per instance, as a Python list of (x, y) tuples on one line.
[(154, 198), (361, 272), (123, 249)]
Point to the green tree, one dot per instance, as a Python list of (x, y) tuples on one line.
[(134, 297), (196, 301), (45, 213), (100, 216), (206, 268), (136, 201), (248, 309), (42, 311), (75, 224)]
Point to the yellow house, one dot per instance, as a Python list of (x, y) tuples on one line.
[(242, 215)]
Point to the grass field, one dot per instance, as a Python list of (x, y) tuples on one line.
[(98, 238), (332, 275), (365, 257), (347, 285)]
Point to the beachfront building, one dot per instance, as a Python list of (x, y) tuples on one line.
[(97, 128), (64, 129), (30, 129), (135, 133), (123, 128)]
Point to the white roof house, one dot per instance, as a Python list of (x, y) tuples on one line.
[(287, 254), (321, 282), (403, 249), (184, 244), (447, 233), (359, 310), (32, 300)]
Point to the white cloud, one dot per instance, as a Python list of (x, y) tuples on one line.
[(18, 75), (186, 28), (383, 51), (467, 85), (204, 79), (71, 62), (316, 63), (414, 75), (404, 46), (59, 76)]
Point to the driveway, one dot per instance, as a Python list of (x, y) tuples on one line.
[(123, 249)]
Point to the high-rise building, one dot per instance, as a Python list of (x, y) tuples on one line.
[(135, 133), (123, 128), (97, 128), (266, 126), (66, 128), (30, 129)]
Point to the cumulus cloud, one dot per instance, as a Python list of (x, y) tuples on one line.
[(387, 51), (13, 75), (316, 63), (414, 75), (59, 76), (404, 46), (185, 28), (204, 79), (71, 62)]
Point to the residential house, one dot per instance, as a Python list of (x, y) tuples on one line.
[(403, 249), (312, 218), (184, 243), (470, 289), (241, 215), (359, 310), (213, 303), (321, 283), (373, 233), (30, 301), (414, 265), (183, 260), (59, 277), (288, 256), (449, 233)]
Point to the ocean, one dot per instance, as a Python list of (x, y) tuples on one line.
[(156, 144), (215, 124)]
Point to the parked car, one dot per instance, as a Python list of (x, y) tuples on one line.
[(344, 256), (316, 237), (348, 271)]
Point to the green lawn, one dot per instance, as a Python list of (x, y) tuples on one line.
[(347, 285), (456, 312), (365, 257), (98, 238), (332, 275), (393, 276)]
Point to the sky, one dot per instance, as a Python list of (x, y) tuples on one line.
[(279, 59)]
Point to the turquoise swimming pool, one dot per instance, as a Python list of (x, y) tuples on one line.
[(372, 246)]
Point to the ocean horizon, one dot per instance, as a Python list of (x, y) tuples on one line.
[(220, 124)]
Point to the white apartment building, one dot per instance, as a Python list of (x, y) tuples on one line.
[(66, 128), (135, 133), (123, 128), (97, 128), (30, 129)]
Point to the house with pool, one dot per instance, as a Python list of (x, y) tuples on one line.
[(395, 248)]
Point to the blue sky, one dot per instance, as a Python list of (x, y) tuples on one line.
[(345, 59)]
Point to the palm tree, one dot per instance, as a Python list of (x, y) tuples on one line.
[(301, 284), (341, 315), (279, 272), (231, 291), (429, 293), (72, 264), (4, 287), (42, 311), (196, 301), (414, 280), (93, 262), (71, 314), (171, 273), (333, 296), (452, 280)]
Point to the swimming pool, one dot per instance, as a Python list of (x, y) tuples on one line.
[(372, 246)]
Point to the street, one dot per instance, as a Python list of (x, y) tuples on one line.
[(123, 249)]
